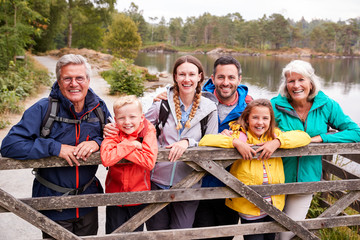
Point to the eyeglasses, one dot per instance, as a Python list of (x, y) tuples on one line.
[(68, 80)]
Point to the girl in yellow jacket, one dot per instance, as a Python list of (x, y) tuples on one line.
[(256, 126)]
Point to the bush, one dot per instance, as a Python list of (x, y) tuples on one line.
[(124, 78), (18, 82)]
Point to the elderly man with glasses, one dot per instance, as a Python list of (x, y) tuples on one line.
[(73, 133)]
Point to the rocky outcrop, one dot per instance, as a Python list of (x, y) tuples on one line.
[(158, 49)]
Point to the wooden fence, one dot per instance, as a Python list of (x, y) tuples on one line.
[(203, 160)]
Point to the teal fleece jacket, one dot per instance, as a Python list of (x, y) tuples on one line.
[(324, 113)]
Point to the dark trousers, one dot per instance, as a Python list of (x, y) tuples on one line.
[(267, 236), (82, 226), (117, 216), (176, 215), (215, 213)]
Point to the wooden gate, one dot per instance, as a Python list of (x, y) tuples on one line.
[(203, 160)]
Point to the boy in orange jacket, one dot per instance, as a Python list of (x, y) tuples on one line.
[(136, 143)]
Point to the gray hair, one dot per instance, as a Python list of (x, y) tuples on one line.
[(72, 59), (305, 69)]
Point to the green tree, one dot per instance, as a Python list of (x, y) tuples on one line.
[(123, 39), (250, 34), (73, 23), (54, 26), (175, 28), (89, 28), (80, 14), (188, 33), (137, 16), (350, 33), (161, 31), (278, 30), (18, 26)]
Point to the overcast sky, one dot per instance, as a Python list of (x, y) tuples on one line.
[(333, 10)]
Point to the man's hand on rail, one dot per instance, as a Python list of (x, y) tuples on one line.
[(67, 153)]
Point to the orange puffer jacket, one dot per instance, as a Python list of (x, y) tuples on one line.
[(134, 175)]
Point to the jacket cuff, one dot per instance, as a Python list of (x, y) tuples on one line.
[(191, 141)]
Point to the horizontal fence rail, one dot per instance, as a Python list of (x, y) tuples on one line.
[(195, 154), (203, 160)]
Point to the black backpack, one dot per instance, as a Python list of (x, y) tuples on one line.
[(164, 114), (53, 110)]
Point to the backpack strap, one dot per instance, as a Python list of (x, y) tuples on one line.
[(163, 116), (57, 188), (100, 114), (51, 113), (203, 124)]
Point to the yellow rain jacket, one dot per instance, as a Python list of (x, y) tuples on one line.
[(250, 172)]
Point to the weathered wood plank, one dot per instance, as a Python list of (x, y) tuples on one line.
[(173, 195), (341, 204), (34, 217), (339, 194), (338, 171), (256, 199), (193, 154), (150, 210), (352, 157), (230, 230)]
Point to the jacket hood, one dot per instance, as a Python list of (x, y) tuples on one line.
[(91, 99), (240, 106)]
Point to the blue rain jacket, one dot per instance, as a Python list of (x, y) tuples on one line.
[(24, 142)]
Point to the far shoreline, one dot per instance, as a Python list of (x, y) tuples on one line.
[(285, 52)]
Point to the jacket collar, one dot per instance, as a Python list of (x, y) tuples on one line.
[(133, 135), (91, 99), (320, 99)]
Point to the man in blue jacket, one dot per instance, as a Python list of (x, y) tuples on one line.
[(232, 96), (74, 136)]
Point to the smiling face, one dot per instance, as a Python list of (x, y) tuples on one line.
[(128, 118), (73, 90), (259, 120), (226, 81), (298, 86), (187, 78)]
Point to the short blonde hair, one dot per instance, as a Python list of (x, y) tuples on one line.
[(127, 99), (306, 70)]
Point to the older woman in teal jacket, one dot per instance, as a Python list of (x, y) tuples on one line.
[(302, 106)]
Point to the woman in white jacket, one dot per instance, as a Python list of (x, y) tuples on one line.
[(181, 130)]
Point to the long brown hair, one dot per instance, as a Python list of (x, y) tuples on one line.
[(196, 101), (244, 118)]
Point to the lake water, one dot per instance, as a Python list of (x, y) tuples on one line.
[(341, 76)]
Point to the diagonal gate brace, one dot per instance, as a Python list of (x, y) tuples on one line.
[(150, 210), (255, 198), (34, 217), (341, 204)]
